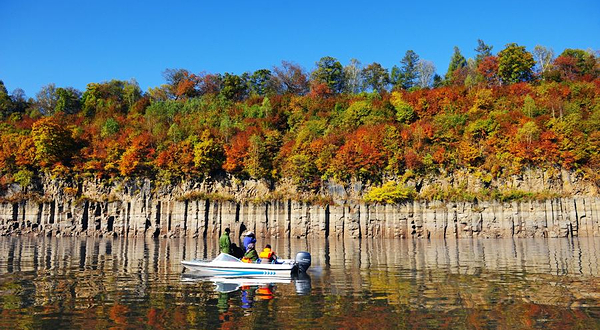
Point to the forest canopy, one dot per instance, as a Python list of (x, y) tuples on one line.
[(495, 114)]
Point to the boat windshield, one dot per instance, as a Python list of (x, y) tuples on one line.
[(226, 257)]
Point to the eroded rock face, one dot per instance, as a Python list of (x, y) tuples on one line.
[(138, 207)]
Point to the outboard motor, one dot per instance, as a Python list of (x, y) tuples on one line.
[(303, 261)]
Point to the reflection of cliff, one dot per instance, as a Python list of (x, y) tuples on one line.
[(481, 274), (83, 269), (468, 273), (414, 280)]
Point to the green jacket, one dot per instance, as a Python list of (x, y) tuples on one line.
[(225, 243), (252, 255)]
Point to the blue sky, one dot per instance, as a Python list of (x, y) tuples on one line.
[(73, 43)]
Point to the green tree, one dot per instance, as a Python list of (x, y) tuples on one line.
[(67, 100), (529, 107), (482, 51), (256, 164), (405, 76), (235, 87), (330, 72), (5, 101), (109, 128), (528, 133), (404, 111), (131, 93), (261, 82), (106, 97), (437, 81), (164, 111), (375, 77), (584, 61), (515, 64), (24, 177), (356, 114), (19, 101), (262, 150), (457, 62), (395, 77)]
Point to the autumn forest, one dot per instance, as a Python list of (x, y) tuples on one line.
[(493, 115)]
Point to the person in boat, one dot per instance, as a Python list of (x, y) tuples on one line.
[(249, 238), (251, 254), (236, 251), (267, 255), (225, 242)]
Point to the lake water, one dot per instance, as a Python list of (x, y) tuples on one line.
[(101, 283)]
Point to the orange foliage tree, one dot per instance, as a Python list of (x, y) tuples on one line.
[(190, 127)]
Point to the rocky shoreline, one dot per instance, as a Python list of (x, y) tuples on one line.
[(138, 207)]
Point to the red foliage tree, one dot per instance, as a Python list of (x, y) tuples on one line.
[(361, 156), (488, 68), (237, 151)]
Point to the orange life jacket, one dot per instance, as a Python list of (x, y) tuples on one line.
[(248, 260), (266, 254)]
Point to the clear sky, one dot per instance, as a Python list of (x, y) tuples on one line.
[(73, 43)]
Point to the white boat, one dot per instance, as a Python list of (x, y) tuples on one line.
[(226, 265)]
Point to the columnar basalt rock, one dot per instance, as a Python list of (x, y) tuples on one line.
[(200, 209), (278, 219), (300, 226), (336, 217), (553, 218)]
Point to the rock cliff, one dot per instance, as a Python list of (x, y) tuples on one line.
[(140, 207)]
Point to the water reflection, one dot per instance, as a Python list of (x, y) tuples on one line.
[(523, 283), (301, 283)]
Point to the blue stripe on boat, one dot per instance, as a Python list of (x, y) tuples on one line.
[(240, 272)]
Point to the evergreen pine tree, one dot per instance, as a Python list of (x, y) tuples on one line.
[(457, 62), (482, 50)]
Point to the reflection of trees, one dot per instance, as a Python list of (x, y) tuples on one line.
[(462, 282), (106, 283), (483, 278)]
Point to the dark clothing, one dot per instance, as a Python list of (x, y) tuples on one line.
[(236, 251), (248, 240), (225, 243), (252, 255)]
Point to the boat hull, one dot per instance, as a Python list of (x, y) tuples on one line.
[(228, 269)]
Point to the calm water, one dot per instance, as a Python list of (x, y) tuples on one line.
[(79, 283)]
